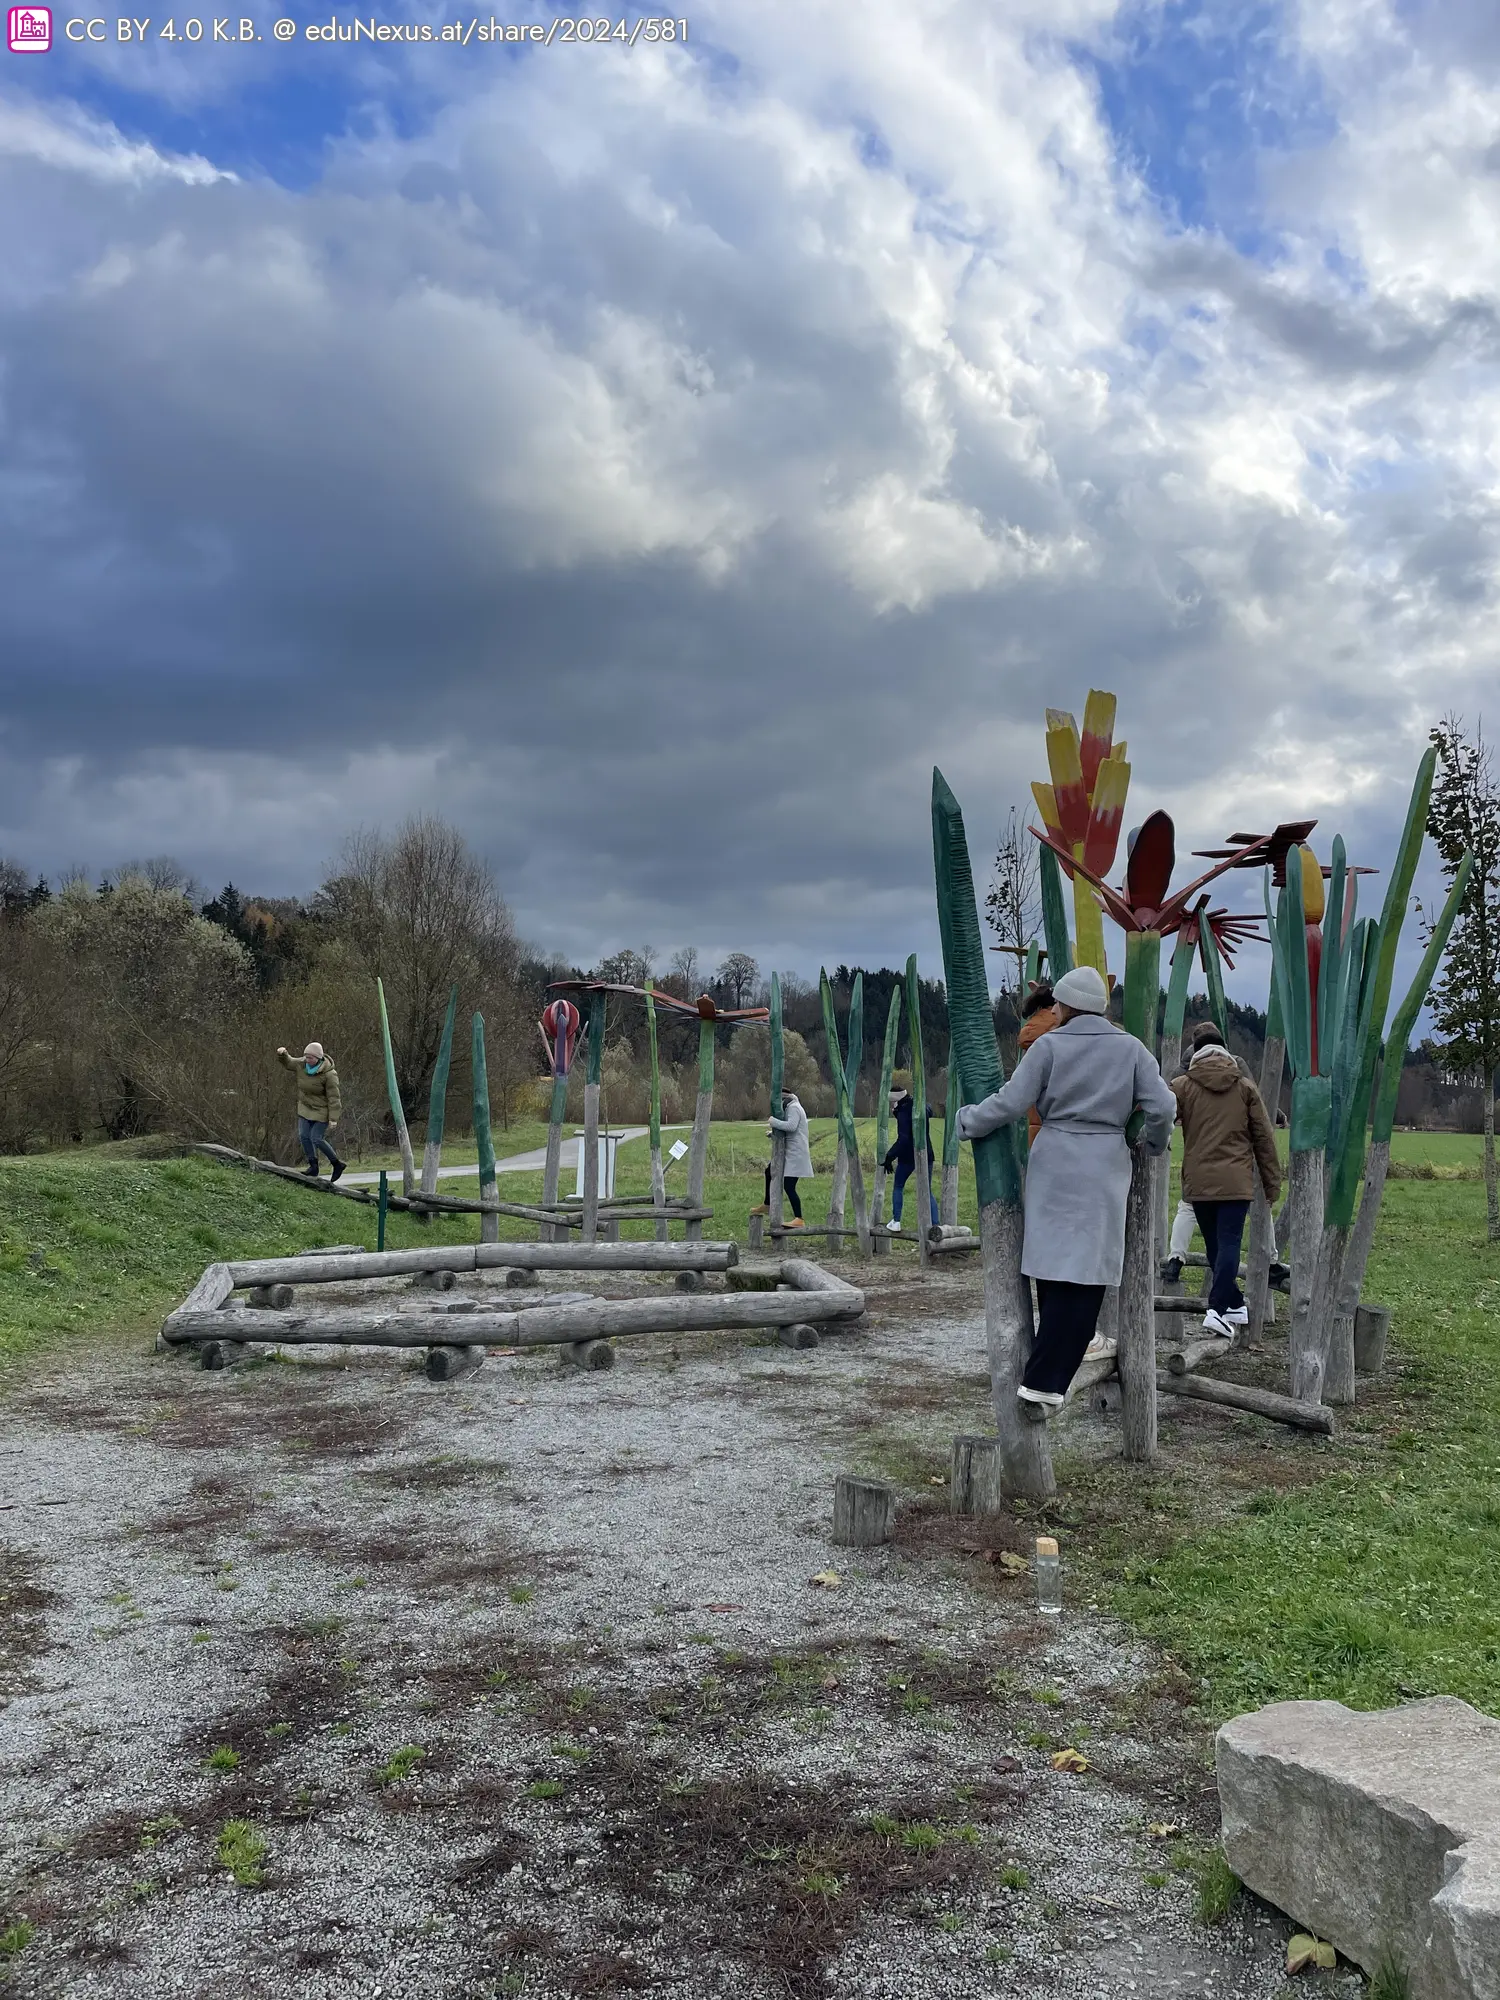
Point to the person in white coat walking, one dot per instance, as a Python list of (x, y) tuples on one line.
[(793, 1123), (1087, 1078)]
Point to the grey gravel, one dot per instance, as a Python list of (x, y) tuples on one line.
[(542, 1575)]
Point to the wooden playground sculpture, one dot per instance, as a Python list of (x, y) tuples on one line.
[(709, 1016), (795, 1297), (883, 1117), (847, 1170)]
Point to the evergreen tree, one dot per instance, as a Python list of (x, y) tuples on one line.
[(1465, 817)]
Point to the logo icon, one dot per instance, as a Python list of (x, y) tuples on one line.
[(29, 30)]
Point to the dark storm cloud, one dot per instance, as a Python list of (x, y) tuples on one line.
[(640, 472)]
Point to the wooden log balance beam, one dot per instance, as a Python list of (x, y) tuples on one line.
[(812, 1295), (309, 1268)]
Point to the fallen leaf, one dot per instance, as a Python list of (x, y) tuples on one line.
[(826, 1579), (1069, 1760), (935, 1479), (1164, 1829), (1008, 1560), (1305, 1953)]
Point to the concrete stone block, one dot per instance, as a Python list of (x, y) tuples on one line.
[(1379, 1832)]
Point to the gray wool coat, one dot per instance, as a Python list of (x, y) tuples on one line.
[(1085, 1078), (798, 1151)]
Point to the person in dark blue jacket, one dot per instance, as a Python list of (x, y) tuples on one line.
[(903, 1154)]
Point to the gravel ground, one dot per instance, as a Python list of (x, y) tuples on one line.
[(522, 1685)]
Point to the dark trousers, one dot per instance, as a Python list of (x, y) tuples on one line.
[(1066, 1320), (898, 1188), (789, 1189), (313, 1132), (1223, 1227)]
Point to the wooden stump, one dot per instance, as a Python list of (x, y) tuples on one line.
[(976, 1484), (222, 1353), (609, 1232), (452, 1364), (517, 1278), (434, 1281), (864, 1511), (1305, 1355), (593, 1354), (690, 1281), (1372, 1325), (270, 1298), (756, 1238), (798, 1335), (1008, 1333)]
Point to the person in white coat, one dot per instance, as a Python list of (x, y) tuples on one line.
[(1087, 1078), (793, 1123)]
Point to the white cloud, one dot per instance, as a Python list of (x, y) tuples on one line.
[(67, 139)]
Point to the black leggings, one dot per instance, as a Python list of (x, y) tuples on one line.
[(1065, 1326), (789, 1189)]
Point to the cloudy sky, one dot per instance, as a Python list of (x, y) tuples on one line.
[(656, 458)]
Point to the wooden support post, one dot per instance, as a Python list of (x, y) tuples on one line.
[(382, 1209), (1008, 1335), (1334, 1330), (1372, 1325), (838, 1188), (550, 1168), (797, 1335), (976, 1482), (453, 1364), (216, 1354), (1136, 1351), (271, 1298), (658, 1169), (703, 1111), (591, 1354), (1304, 1344), (864, 1511), (1260, 1252), (489, 1223), (923, 1175), (756, 1234), (1351, 1282)]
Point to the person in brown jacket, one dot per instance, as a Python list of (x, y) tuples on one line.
[(1227, 1140), (1039, 1016)]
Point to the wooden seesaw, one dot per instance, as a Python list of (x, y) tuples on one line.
[(456, 1335)]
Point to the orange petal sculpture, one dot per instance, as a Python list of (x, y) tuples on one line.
[(1084, 807)]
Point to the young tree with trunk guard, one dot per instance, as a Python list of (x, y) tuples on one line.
[(1464, 817)]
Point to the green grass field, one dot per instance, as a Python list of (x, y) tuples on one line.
[(1364, 1570)]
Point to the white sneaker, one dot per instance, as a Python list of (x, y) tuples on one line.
[(1237, 1316), (894, 1226), (1216, 1324), (1098, 1345), (1044, 1399)]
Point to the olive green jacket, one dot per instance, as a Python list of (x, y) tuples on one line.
[(318, 1098)]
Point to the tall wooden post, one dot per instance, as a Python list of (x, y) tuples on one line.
[(948, 1201), (591, 1119), (437, 1101), (778, 1110), (703, 1111), (1024, 1451), (398, 1115), (658, 1171), (1262, 1245), (1171, 1055), (883, 1117), (923, 1174), (1136, 1351), (489, 1223)]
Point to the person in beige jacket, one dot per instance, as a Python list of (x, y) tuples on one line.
[(1227, 1141), (318, 1106)]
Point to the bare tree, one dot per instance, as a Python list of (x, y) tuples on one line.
[(627, 968), (1464, 817), (1012, 909), (684, 971), (421, 911), (739, 975)]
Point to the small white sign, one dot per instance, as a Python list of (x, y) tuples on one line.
[(676, 1150)]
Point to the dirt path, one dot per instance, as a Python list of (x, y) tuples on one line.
[(525, 1687)]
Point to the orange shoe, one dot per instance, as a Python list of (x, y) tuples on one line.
[(760, 1209), (796, 1223)]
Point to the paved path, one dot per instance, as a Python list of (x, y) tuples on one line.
[(518, 1163)]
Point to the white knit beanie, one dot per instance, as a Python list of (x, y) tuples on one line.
[(313, 1052), (1083, 990)]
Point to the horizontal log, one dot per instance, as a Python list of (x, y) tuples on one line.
[(1175, 1302), (1256, 1402), (468, 1257), (414, 1204), (942, 1246), (544, 1326), (1193, 1353), (1093, 1368)]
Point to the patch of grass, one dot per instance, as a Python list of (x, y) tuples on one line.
[(1391, 1981), (222, 1758), (545, 1788), (154, 1831), (1365, 1569), (521, 1593), (400, 1764), (242, 1850), (14, 1939), (1218, 1887)]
